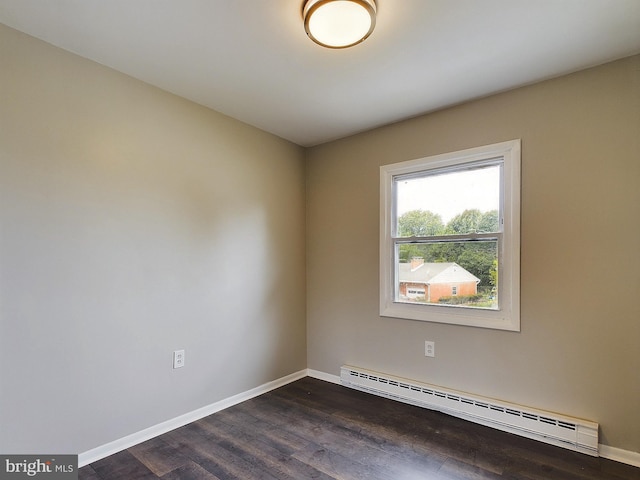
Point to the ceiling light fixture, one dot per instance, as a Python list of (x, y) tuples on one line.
[(339, 23)]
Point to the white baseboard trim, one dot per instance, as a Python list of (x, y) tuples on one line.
[(90, 456), (327, 377), (619, 455)]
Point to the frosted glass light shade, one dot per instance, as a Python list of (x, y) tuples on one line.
[(339, 23)]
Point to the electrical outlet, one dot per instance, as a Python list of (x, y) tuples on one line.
[(429, 349), (178, 359)]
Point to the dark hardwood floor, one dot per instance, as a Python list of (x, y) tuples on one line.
[(312, 429)]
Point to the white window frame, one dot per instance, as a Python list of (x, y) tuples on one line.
[(507, 316)]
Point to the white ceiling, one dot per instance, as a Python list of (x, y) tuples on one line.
[(251, 59)]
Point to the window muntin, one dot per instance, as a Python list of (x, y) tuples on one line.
[(481, 186)]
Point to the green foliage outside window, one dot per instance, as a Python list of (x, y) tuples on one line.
[(479, 258)]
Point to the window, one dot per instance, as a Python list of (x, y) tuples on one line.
[(450, 238)]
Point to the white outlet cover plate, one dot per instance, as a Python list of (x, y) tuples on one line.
[(178, 359), (429, 349)]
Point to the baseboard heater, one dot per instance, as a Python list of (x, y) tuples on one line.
[(568, 432)]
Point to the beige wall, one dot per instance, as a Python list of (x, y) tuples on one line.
[(577, 352), (134, 223)]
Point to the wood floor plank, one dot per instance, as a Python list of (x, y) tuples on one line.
[(87, 473), (456, 470), (388, 458), (255, 450), (122, 465), (282, 440), (336, 465), (158, 456), (208, 453), (311, 429), (189, 471)]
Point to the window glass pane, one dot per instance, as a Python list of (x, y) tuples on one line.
[(448, 203), (448, 273)]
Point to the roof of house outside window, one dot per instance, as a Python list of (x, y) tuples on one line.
[(430, 273)]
